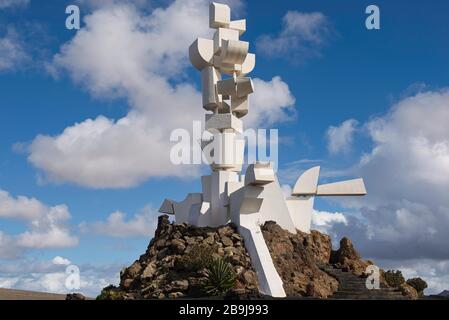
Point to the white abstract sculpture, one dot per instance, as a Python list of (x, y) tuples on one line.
[(250, 200)]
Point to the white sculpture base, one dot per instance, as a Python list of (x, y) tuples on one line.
[(252, 200)]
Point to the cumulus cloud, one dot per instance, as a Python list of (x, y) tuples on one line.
[(406, 212), (46, 225), (270, 103), (20, 207), (95, 4), (60, 261), (237, 6), (323, 221), (123, 52), (12, 51), (142, 224), (302, 36), (339, 139)]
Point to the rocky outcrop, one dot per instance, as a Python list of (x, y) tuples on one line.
[(348, 259), (296, 258), (408, 291), (75, 296), (173, 264)]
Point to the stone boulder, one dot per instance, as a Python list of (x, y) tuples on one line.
[(347, 258), (408, 291), (173, 264), (75, 296), (297, 257)]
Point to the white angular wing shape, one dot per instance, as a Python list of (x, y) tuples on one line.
[(307, 183), (354, 187)]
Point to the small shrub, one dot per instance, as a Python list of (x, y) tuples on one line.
[(417, 283), (394, 278), (110, 293), (220, 278), (199, 257)]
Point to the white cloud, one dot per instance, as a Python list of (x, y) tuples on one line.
[(324, 220), (13, 3), (46, 276), (271, 102), (405, 216), (58, 260), (8, 247), (47, 225), (20, 207), (102, 153), (142, 224), (12, 51), (339, 139), (406, 212), (123, 52), (302, 36), (95, 4)]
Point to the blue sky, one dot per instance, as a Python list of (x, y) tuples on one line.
[(388, 84)]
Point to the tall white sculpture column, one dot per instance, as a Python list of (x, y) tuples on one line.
[(227, 99)]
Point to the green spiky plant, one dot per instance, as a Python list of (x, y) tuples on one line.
[(220, 278)]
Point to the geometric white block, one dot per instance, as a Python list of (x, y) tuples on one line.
[(239, 106), (219, 214), (167, 207), (233, 186), (301, 210), (206, 188), (233, 52), (182, 208), (235, 163), (209, 78), (239, 25), (201, 53), (228, 153), (223, 121), (274, 207), (270, 283), (219, 15), (224, 34), (249, 64), (259, 174), (244, 86), (227, 87)]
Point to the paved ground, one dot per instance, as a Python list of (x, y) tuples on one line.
[(9, 294)]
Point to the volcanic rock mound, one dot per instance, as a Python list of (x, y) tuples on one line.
[(174, 265)]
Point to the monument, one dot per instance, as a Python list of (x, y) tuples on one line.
[(251, 199)]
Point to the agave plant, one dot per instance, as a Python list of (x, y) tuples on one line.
[(220, 278)]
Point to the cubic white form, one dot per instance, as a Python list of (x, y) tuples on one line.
[(219, 15), (252, 199)]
